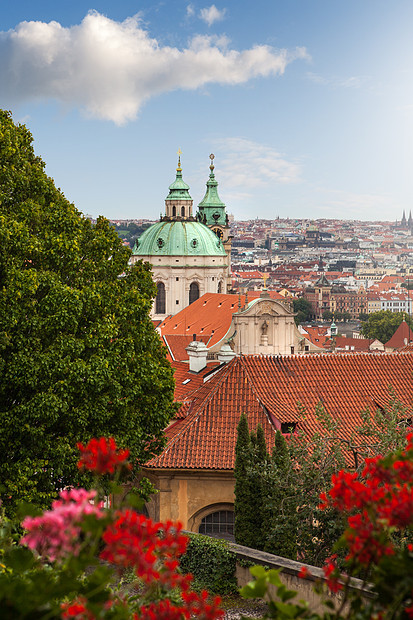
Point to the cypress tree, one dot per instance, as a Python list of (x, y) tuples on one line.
[(279, 527), (262, 454), (242, 491), (250, 455)]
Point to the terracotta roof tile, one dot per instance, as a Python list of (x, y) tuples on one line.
[(402, 336), (210, 315), (271, 391), (177, 344)]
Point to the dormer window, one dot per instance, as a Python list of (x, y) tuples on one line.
[(288, 427)]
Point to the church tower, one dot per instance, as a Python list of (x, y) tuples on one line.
[(212, 213), (187, 258)]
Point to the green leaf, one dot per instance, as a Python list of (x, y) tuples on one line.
[(19, 559)]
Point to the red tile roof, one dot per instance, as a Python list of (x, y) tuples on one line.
[(187, 382), (272, 391), (354, 344), (402, 336), (177, 344), (210, 315)]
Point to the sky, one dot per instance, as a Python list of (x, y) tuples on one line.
[(306, 104)]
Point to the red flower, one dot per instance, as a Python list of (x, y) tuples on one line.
[(101, 455), (151, 548), (76, 610), (304, 573), (332, 574)]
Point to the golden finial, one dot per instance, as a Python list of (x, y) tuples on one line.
[(179, 159), (265, 277), (212, 157)]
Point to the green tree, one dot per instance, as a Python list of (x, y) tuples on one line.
[(303, 308), (382, 325), (250, 457), (79, 356), (279, 522), (327, 315), (244, 500)]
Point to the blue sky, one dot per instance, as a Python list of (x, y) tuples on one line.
[(307, 104)]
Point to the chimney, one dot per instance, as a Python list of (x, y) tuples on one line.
[(225, 354), (197, 353)]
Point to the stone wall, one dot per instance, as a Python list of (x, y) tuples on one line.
[(290, 570)]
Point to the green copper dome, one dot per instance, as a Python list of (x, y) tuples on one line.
[(178, 238)]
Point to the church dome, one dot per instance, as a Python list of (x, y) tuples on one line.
[(178, 238)]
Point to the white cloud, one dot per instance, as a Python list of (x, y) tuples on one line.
[(190, 11), (355, 81), (211, 14), (249, 165), (111, 68)]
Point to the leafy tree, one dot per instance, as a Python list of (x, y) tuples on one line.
[(382, 325), (363, 316), (327, 315), (303, 308), (78, 352)]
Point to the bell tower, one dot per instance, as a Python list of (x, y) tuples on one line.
[(212, 213)]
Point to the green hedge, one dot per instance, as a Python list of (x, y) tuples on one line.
[(212, 564)]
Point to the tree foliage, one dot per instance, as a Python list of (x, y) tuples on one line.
[(250, 457), (301, 466), (382, 325), (303, 308), (78, 352)]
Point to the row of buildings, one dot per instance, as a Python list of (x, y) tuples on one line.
[(241, 352)]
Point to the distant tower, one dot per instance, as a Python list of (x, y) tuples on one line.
[(410, 220), (404, 221), (212, 213)]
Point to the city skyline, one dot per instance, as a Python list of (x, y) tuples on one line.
[(307, 106)]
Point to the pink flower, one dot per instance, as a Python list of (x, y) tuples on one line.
[(55, 533)]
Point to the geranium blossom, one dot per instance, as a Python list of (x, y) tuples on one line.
[(102, 456), (56, 533)]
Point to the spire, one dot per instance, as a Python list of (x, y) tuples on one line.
[(211, 205), (179, 190), (403, 222), (410, 221)]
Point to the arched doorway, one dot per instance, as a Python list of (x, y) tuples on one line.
[(182, 211), (193, 292), (174, 211), (219, 287), (160, 301)]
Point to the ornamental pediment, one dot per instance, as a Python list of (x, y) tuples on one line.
[(269, 307)]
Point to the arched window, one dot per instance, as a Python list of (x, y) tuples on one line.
[(193, 292), (218, 524), (160, 306), (183, 211), (174, 211), (220, 287)]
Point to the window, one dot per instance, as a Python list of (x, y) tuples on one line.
[(174, 211), (160, 306), (220, 288), (193, 292), (183, 211), (288, 427), (218, 525)]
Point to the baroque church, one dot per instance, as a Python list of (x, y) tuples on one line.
[(190, 254)]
